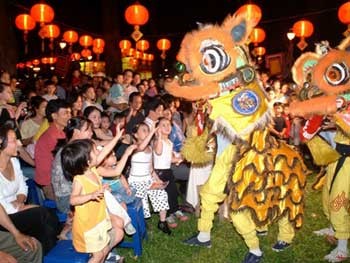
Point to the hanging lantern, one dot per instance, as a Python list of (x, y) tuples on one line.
[(303, 29), (138, 54), (45, 60), (70, 37), (42, 13), (124, 46), (20, 65), (142, 45), (85, 53), (253, 12), (26, 23), (163, 45), (98, 43), (51, 32), (259, 51), (130, 52), (75, 56), (85, 41), (51, 60), (98, 51), (29, 64), (344, 16), (150, 57), (136, 15), (257, 36), (36, 62)]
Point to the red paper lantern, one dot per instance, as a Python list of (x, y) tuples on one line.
[(124, 44), (344, 13), (51, 31), (20, 65), (70, 36), (150, 57), (85, 41), (253, 12), (75, 56), (42, 13), (259, 51), (98, 43), (142, 45), (136, 15), (303, 28), (163, 44), (36, 62), (25, 22), (51, 60), (257, 36), (85, 53), (97, 50)]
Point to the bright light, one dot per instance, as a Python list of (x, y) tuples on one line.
[(63, 44), (290, 35)]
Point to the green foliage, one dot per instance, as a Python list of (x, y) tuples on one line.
[(228, 246)]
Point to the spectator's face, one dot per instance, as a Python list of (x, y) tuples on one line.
[(51, 89), (85, 132), (167, 114), (165, 126), (41, 110), (95, 118), (105, 123), (12, 144), (6, 95), (142, 132), (90, 94), (78, 104), (159, 111), (61, 117), (128, 77), (136, 103)]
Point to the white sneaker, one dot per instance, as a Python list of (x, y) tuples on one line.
[(336, 255), (325, 232), (129, 229)]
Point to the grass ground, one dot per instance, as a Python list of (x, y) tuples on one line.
[(228, 246)]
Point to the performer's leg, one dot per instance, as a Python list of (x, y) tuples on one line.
[(246, 227), (338, 208), (286, 230), (212, 191), (211, 194)]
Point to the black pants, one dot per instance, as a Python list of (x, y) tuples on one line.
[(166, 175), (38, 222)]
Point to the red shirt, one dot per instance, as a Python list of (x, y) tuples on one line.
[(43, 154)]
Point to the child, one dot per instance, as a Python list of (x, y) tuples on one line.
[(120, 189), (92, 229), (278, 127), (163, 156), (143, 178), (106, 124)]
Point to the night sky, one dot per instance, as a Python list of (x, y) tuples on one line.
[(172, 19)]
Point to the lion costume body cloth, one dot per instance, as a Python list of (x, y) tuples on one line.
[(262, 178), (328, 94)]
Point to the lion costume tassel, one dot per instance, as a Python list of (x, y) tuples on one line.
[(263, 178)]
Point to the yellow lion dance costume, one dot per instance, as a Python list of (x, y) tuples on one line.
[(262, 178), (328, 95)]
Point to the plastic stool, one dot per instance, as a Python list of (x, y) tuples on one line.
[(135, 211), (48, 203), (33, 196), (64, 252)]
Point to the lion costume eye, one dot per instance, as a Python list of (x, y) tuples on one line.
[(337, 73), (214, 59)]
